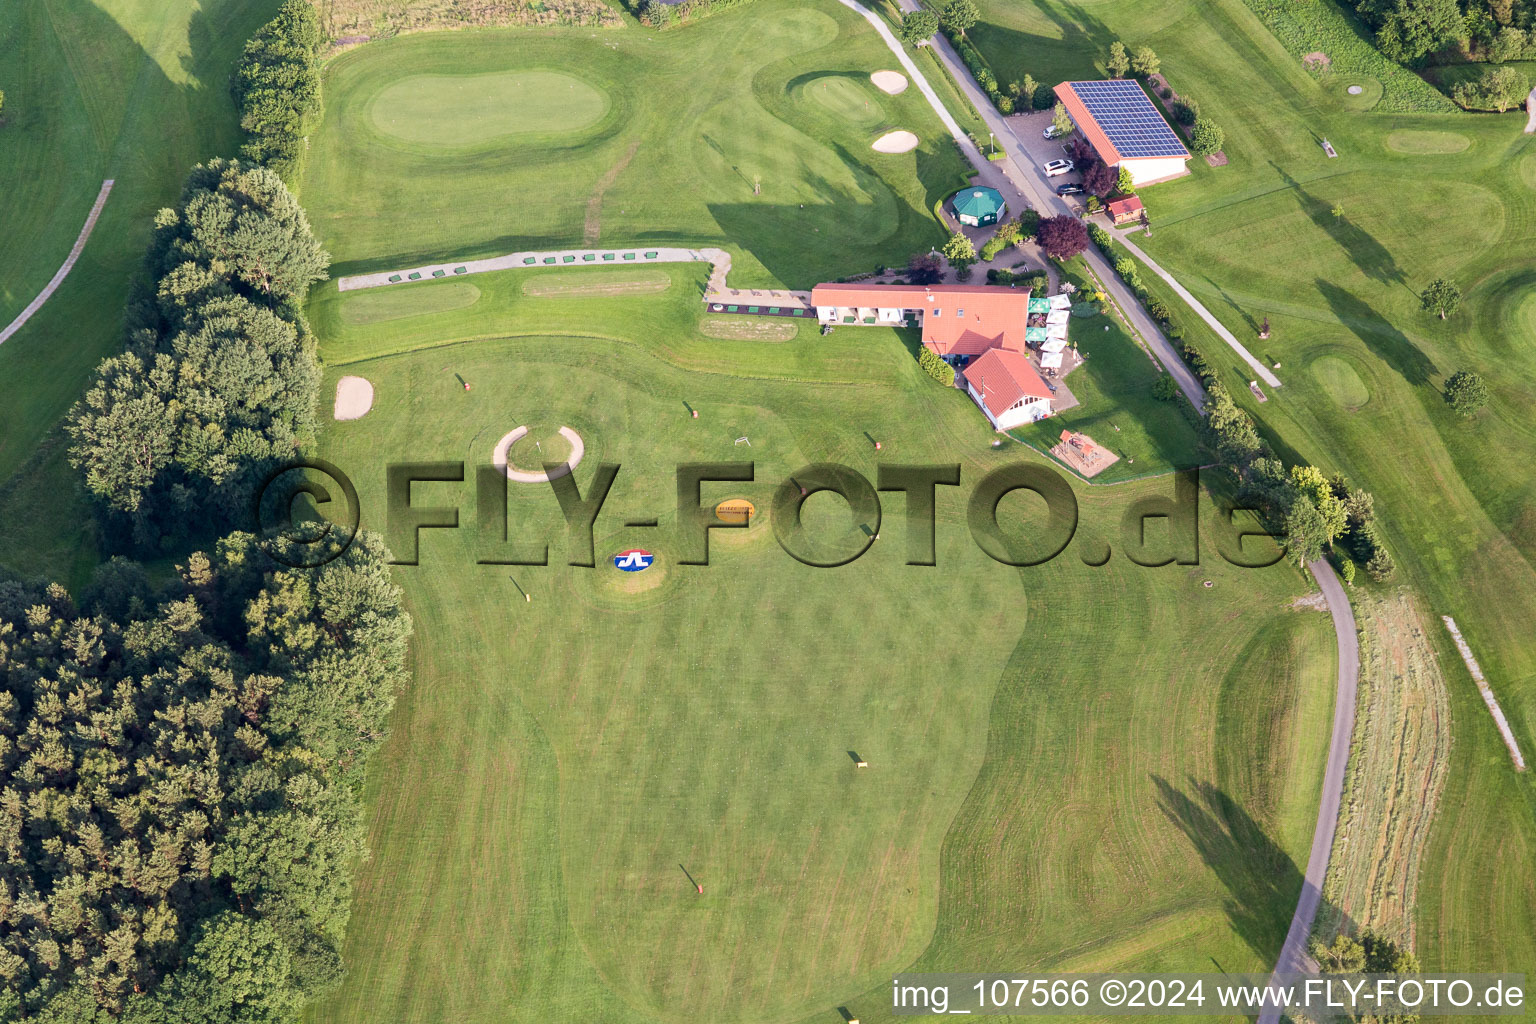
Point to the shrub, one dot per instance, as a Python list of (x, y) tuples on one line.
[(1381, 567), (925, 268), (1165, 389), (1062, 237), (992, 247), (917, 26), (935, 367), (276, 87), (1165, 92), (1347, 570), (1004, 104), (1102, 239), (1158, 311), (1144, 62), (1497, 89), (1206, 137), (1126, 268), (1029, 223), (1186, 112), (1093, 204), (1466, 391)]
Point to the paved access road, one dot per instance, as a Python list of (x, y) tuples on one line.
[(1033, 185), (1293, 954), (1010, 179)]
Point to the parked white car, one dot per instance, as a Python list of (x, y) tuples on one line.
[(1055, 167), (1050, 132)]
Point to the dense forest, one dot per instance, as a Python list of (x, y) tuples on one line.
[(1411, 30), (178, 776), (218, 380)]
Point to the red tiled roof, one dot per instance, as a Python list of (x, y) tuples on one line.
[(1123, 207), (994, 317), (1002, 378)]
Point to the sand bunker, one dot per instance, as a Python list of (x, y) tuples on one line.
[(499, 456), (891, 82), (354, 397), (895, 142)]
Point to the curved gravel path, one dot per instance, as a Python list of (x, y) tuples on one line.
[(1293, 954), (69, 264)]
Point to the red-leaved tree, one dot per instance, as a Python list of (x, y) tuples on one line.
[(1062, 237)]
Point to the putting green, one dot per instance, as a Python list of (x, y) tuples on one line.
[(1341, 381), (846, 98), (457, 110), (378, 305), (1528, 170), (1427, 143), (1366, 99)]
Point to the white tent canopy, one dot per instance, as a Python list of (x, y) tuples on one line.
[(1061, 302), (1058, 316), (1057, 331), (1054, 345), (1051, 361)]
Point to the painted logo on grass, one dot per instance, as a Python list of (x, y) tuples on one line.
[(633, 560)]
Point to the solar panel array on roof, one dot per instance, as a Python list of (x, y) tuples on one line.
[(1127, 116)]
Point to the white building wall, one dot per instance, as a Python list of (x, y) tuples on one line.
[(1154, 168), (1033, 409)]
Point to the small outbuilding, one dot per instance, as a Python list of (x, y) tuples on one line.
[(1125, 211), (979, 206)]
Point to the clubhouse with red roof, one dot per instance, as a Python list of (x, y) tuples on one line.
[(983, 323)]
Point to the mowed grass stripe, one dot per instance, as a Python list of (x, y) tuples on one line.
[(697, 734), (457, 110), (1260, 237)]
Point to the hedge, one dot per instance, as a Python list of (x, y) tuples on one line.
[(936, 368)]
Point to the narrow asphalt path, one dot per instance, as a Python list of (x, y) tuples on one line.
[(63, 272), (1033, 185), (1293, 954), (1009, 178), (1199, 307), (1530, 113)]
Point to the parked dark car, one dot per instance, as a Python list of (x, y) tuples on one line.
[(1071, 188)]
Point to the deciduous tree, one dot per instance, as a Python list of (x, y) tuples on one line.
[(959, 15), (918, 26), (1144, 62), (1061, 238), (1466, 391), (1441, 297), (1118, 63)]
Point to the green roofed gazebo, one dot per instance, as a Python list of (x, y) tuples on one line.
[(979, 206)]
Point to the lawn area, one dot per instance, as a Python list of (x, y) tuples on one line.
[(562, 762), (99, 80), (1117, 408), (1417, 197), (751, 133)]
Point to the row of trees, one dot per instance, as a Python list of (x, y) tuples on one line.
[(1497, 89), (177, 778), (1312, 511), (218, 381), (277, 87), (1143, 61)]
